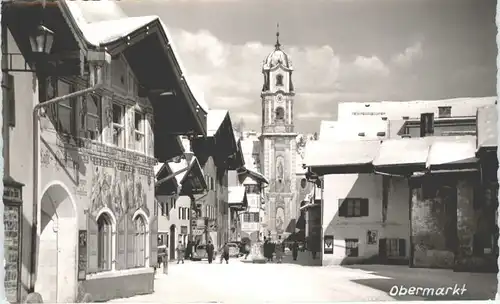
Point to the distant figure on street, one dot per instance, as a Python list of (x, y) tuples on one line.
[(279, 250), (247, 250), (210, 252), (267, 250), (295, 250), (225, 253), (181, 249), (189, 250)]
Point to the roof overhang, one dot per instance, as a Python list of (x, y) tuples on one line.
[(341, 157), (193, 181), (177, 111), (237, 198), (227, 151), (22, 17), (253, 174)]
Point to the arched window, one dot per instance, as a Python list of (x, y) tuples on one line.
[(104, 242), (279, 80), (140, 241), (280, 113)]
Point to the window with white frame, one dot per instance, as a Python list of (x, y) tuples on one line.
[(118, 125), (90, 117), (140, 138)]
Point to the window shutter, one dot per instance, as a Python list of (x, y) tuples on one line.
[(342, 207), (402, 247), (11, 99), (121, 243), (382, 248), (130, 242), (364, 207), (92, 244), (153, 237)]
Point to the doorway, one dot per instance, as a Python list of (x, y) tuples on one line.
[(57, 246)]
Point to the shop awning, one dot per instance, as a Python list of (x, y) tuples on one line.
[(237, 198), (337, 157), (487, 119)]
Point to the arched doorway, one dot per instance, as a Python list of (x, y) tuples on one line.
[(58, 245), (172, 242)]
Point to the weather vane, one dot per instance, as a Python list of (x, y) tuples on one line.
[(277, 45)]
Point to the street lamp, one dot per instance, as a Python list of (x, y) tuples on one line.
[(42, 40)]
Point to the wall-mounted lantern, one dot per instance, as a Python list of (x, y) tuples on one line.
[(42, 40)]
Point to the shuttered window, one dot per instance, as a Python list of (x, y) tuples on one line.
[(353, 207)]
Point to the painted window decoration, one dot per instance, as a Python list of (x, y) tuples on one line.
[(139, 132), (118, 125), (351, 248), (90, 117), (280, 113), (279, 80), (66, 110), (104, 242), (140, 241), (353, 207), (371, 237)]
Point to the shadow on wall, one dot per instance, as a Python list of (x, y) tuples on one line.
[(391, 279)]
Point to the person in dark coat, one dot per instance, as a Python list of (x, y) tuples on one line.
[(189, 250), (267, 250), (225, 253), (210, 252), (295, 250)]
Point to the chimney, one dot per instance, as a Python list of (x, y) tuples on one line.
[(426, 124)]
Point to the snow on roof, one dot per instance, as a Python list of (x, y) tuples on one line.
[(236, 194), (340, 153), (109, 28), (214, 120)]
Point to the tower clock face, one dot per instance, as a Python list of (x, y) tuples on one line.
[(279, 97)]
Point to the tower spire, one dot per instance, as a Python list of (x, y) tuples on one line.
[(278, 44)]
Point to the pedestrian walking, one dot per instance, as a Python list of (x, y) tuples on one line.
[(210, 252), (267, 250), (279, 250), (225, 253), (181, 249), (295, 250), (247, 250)]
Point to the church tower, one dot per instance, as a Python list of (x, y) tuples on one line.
[(278, 143)]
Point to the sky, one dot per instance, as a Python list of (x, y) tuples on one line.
[(341, 50)]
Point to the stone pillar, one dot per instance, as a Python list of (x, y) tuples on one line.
[(466, 225)]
